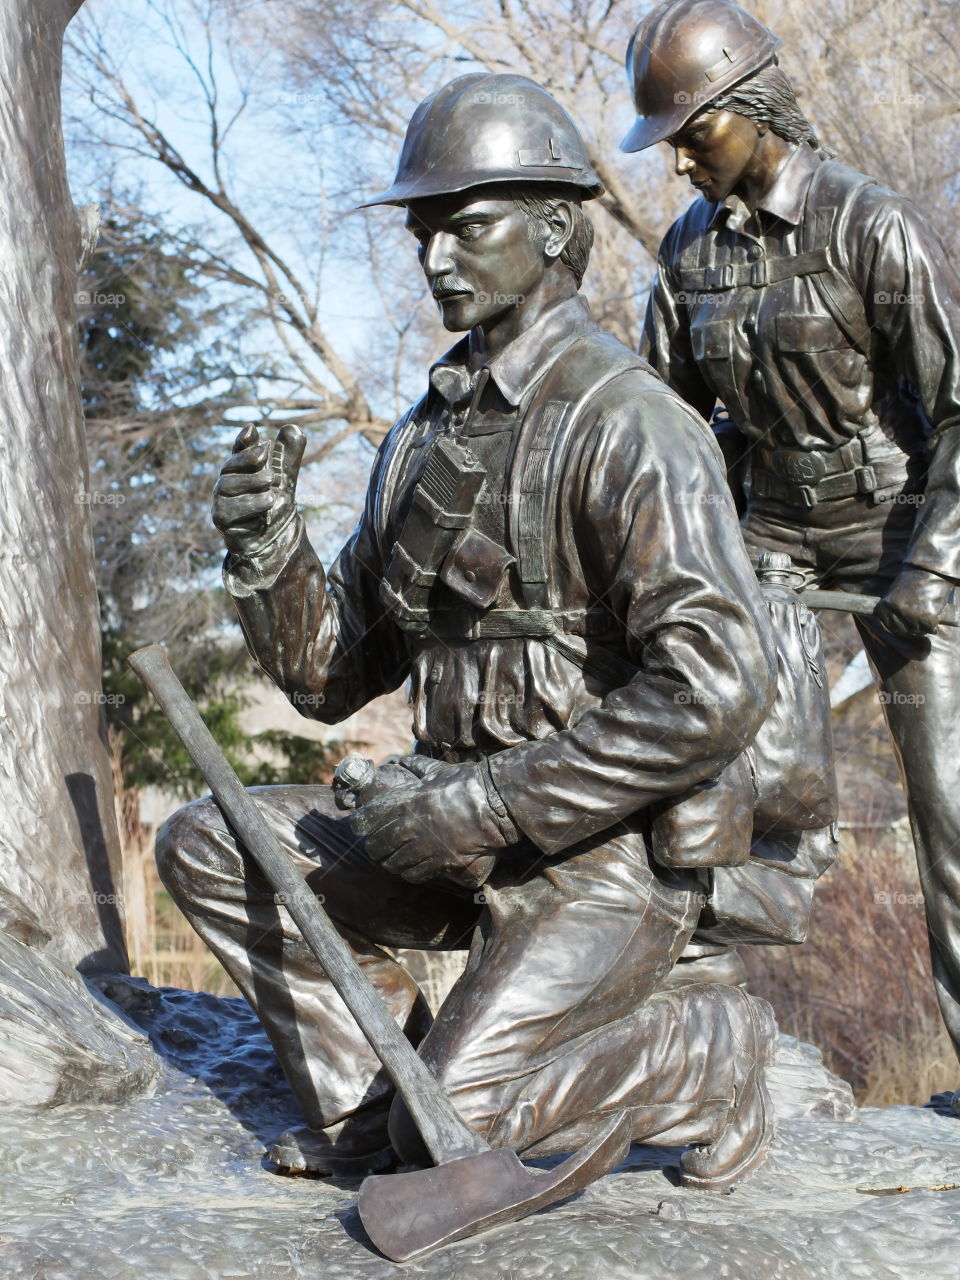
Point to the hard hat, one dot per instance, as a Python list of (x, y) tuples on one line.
[(685, 54), (488, 128)]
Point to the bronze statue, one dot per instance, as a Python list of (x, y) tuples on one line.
[(821, 310), (584, 647)]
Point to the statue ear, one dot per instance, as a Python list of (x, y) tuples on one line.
[(560, 228)]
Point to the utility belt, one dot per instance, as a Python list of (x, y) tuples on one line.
[(806, 477), (535, 624)]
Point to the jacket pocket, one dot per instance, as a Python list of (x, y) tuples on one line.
[(809, 333), (712, 340), (474, 568)]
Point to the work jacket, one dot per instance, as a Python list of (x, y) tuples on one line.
[(607, 645), (828, 325)]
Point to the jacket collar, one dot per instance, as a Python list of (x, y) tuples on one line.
[(523, 362), (786, 197)]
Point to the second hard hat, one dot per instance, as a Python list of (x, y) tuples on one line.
[(685, 54)]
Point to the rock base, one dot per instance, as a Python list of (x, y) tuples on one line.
[(58, 1042), (175, 1185)]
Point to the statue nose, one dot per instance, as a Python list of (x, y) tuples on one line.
[(437, 260), (684, 162)]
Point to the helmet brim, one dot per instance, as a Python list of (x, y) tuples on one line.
[(402, 193), (647, 133)]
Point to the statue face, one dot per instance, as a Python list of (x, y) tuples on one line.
[(716, 150), (478, 255)]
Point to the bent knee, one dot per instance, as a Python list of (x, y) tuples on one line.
[(184, 843)]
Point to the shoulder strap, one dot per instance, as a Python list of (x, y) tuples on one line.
[(549, 425), (832, 190), (396, 450)]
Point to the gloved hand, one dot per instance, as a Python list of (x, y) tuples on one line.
[(912, 606), (254, 502), (447, 825)]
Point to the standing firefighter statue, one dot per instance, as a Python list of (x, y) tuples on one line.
[(585, 647), (820, 308)]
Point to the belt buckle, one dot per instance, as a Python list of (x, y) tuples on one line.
[(808, 495), (799, 466)]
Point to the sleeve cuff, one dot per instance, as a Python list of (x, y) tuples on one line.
[(245, 575)]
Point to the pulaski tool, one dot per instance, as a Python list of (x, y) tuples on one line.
[(473, 1186)]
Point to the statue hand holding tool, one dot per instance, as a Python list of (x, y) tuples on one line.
[(445, 826), (915, 602)]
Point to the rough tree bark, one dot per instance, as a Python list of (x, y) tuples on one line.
[(59, 850)]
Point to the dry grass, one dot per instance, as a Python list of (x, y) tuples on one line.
[(861, 987)]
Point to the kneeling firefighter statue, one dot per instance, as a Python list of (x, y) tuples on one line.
[(549, 553)]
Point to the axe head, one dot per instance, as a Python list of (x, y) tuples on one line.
[(408, 1214)]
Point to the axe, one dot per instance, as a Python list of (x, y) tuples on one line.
[(472, 1186)]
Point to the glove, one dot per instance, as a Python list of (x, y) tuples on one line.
[(443, 826), (254, 502), (912, 606)]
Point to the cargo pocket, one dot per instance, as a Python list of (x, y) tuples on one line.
[(714, 351)]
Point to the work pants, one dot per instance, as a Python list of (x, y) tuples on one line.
[(557, 1022)]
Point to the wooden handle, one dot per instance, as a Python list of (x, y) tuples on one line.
[(444, 1133), (864, 606)]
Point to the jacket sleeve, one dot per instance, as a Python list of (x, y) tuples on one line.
[(911, 295), (665, 343), (325, 640), (657, 526)]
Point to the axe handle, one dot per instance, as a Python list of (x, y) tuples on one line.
[(444, 1133), (853, 602)]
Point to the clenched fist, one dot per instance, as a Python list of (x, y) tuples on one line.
[(254, 502)]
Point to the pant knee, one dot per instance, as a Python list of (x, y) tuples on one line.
[(184, 846)]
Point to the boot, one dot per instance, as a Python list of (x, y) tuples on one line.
[(350, 1149), (749, 1130)]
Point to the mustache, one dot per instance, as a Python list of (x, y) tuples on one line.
[(448, 284)]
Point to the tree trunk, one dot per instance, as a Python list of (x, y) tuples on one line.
[(59, 851)]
